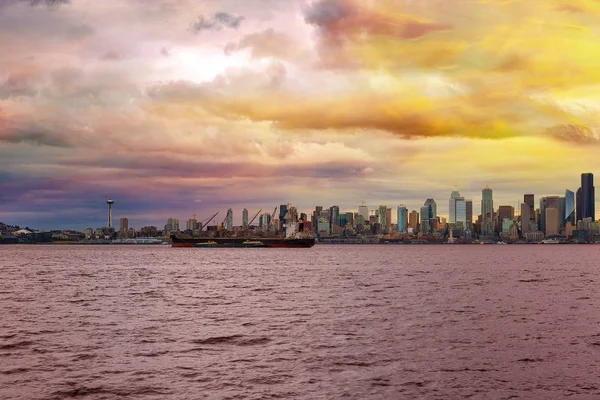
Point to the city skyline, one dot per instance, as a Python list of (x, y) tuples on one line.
[(185, 107)]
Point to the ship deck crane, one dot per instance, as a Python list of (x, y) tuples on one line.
[(253, 218), (272, 219), (204, 224)]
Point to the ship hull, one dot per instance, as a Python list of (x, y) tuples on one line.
[(241, 242)]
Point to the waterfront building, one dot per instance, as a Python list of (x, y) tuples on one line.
[(229, 226), (363, 211), (388, 220), (504, 212), (460, 213), (283, 210), (569, 215), (431, 209), (425, 227), (172, 225), (545, 203), (402, 222), (123, 225), (191, 224), (487, 212), (454, 196), (525, 218), (245, 219), (382, 216), (534, 236), (323, 225), (552, 221), (579, 205), (469, 209), (264, 221), (413, 220), (529, 199), (588, 193), (334, 217)]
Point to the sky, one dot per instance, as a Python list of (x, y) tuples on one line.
[(181, 107)]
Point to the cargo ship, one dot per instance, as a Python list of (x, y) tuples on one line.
[(267, 241)]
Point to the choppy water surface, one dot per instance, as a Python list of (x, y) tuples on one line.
[(356, 322)]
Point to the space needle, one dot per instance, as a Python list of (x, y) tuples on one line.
[(110, 203)]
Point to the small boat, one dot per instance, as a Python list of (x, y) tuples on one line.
[(550, 241), (206, 244)]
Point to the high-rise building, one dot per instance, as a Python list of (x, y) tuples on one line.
[(588, 193), (431, 208), (388, 220), (191, 224), (525, 218), (334, 217), (413, 220), (229, 226), (402, 222), (460, 212), (363, 211), (529, 199), (172, 225), (424, 228), (382, 214), (264, 221), (469, 206), (545, 203), (283, 210), (552, 221), (350, 218), (452, 206), (579, 205), (487, 211), (245, 219), (123, 225), (569, 215)]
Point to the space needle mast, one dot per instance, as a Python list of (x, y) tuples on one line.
[(110, 203)]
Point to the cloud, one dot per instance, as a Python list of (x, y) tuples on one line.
[(36, 135), (52, 3), (219, 21), (573, 134), (268, 43)]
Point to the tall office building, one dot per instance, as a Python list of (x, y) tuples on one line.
[(569, 215), (264, 220), (579, 206), (413, 220), (552, 221), (334, 217), (545, 203), (382, 214), (588, 193), (455, 195), (529, 199), (363, 211), (229, 226), (525, 218), (469, 206), (402, 223), (123, 225), (283, 210), (487, 211), (431, 208), (388, 220), (461, 213), (172, 225), (245, 219), (424, 228), (191, 224)]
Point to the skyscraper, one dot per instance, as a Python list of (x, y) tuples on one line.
[(334, 217), (579, 206), (452, 206), (487, 211), (123, 225), (413, 220), (402, 223), (432, 209), (469, 206), (382, 213), (569, 207), (245, 219), (552, 221), (525, 218), (588, 193), (545, 203), (363, 211), (283, 210), (461, 213), (529, 199), (424, 228), (229, 226)]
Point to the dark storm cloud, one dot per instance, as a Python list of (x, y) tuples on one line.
[(325, 13), (35, 135), (218, 22)]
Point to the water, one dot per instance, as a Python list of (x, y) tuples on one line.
[(354, 322)]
